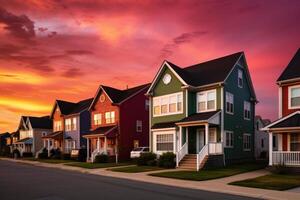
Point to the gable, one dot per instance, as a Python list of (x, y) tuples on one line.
[(160, 88)]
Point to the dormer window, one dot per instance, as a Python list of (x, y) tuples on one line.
[(240, 78), (294, 97)]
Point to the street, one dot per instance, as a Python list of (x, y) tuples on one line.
[(21, 181)]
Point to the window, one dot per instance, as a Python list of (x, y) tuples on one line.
[(247, 112), (97, 119), (165, 142), (68, 125), (294, 97), (110, 117), (295, 142), (74, 124), (274, 142), (246, 142), (206, 101), (229, 103), (57, 126), (212, 135), (147, 104), (136, 143), (167, 104), (139, 125), (240, 78), (229, 138)]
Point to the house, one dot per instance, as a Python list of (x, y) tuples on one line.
[(30, 133), (4, 148), (261, 145), (284, 133), (119, 122), (203, 113), (70, 122)]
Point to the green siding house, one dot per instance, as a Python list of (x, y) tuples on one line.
[(203, 113)]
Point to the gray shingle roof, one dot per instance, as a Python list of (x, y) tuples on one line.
[(292, 71)]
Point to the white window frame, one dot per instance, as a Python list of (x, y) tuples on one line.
[(139, 126), (245, 117), (159, 99), (290, 97), (68, 124), (97, 119), (74, 124), (248, 135), (240, 76), (163, 133), (231, 138), (205, 93), (229, 96), (110, 117)]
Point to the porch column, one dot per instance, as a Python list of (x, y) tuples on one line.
[(98, 144), (270, 149), (180, 138), (105, 145), (48, 148), (206, 133), (88, 149)]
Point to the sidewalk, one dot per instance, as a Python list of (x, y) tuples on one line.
[(217, 185)]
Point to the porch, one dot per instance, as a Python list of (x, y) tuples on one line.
[(52, 141), (102, 140), (23, 146)]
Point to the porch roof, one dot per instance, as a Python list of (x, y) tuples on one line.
[(54, 135), (163, 125), (291, 121), (205, 117), (24, 141), (107, 131)]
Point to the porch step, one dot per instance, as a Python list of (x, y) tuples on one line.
[(190, 162)]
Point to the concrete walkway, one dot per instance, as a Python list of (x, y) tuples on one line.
[(216, 185)]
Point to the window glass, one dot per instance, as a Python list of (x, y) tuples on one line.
[(295, 97), (229, 102), (247, 112), (164, 142), (206, 101), (240, 78), (295, 142), (229, 139), (246, 142), (97, 119), (74, 125), (167, 104)]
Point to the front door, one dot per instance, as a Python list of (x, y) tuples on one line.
[(192, 140), (200, 139)]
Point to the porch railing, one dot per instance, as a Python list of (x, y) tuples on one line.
[(215, 148), (201, 155), (286, 158), (181, 153)]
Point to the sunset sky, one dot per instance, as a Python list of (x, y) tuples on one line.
[(64, 49)]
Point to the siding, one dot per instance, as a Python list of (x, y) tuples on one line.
[(285, 102)]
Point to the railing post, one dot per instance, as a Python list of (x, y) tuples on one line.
[(177, 160), (198, 162), (270, 149)]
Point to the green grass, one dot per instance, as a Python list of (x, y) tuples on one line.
[(271, 182), (96, 165), (209, 174), (136, 169)]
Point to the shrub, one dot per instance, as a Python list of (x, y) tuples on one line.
[(82, 155), (27, 154), (5, 151), (145, 158), (16, 153), (43, 154), (102, 158), (167, 160), (55, 154), (66, 156), (280, 169), (152, 163)]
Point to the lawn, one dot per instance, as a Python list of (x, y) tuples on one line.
[(136, 169), (271, 182), (209, 174), (96, 165)]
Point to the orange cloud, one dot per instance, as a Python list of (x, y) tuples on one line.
[(20, 77), (24, 105)]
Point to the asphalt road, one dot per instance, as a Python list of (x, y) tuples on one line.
[(21, 181)]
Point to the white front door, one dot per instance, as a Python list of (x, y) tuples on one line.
[(200, 139)]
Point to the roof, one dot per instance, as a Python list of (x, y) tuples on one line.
[(164, 125), (69, 108), (4, 134), (293, 121), (108, 131), (118, 96), (41, 122), (205, 73), (292, 71), (265, 122), (57, 134), (25, 141), (199, 117)]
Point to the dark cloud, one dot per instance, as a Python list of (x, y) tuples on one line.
[(19, 26), (187, 37), (72, 72), (79, 52)]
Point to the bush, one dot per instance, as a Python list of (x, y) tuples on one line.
[(167, 160), (55, 154), (66, 156), (82, 155), (102, 158), (16, 153), (27, 154), (152, 163), (43, 154), (280, 169), (5, 151), (146, 158)]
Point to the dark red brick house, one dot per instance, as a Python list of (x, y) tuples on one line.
[(119, 122)]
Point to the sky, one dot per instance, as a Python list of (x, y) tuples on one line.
[(62, 49)]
